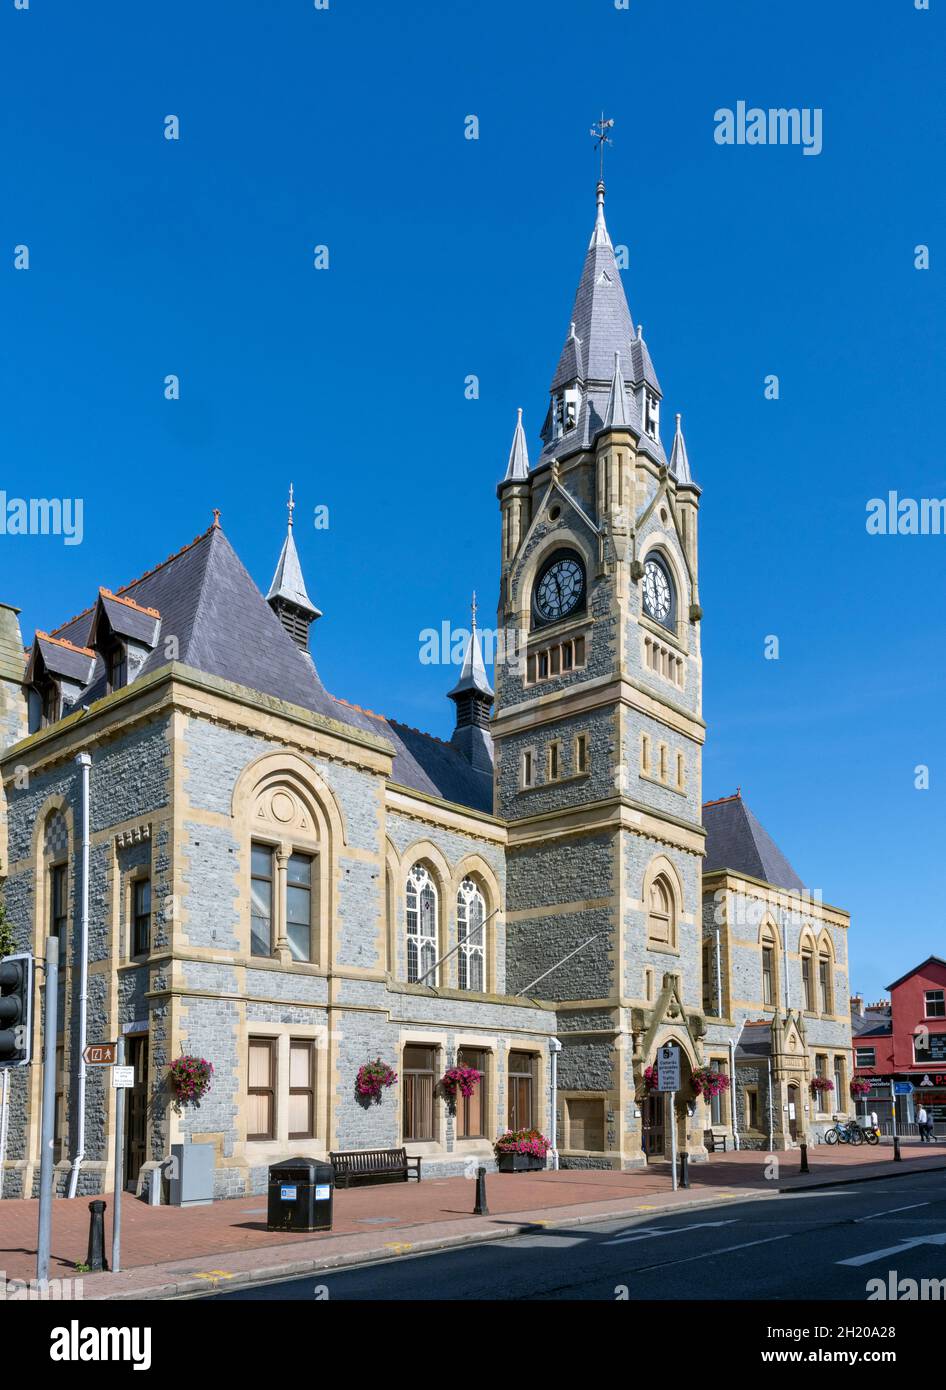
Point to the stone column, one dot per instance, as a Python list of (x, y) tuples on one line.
[(281, 950)]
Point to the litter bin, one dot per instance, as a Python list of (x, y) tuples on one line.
[(300, 1195)]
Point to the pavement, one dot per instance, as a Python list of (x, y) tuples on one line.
[(858, 1242), (172, 1252)]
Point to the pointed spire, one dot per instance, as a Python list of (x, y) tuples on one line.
[(473, 696), (517, 470), (601, 321), (599, 237), (288, 596), (679, 463), (618, 414), (473, 676)]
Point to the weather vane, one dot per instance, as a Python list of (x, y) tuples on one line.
[(598, 131), (291, 504), (473, 606)]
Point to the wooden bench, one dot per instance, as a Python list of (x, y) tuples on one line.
[(373, 1165), (715, 1143)]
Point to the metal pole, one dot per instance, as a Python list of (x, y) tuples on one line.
[(893, 1108), (50, 1001), (673, 1136), (462, 942), (84, 761), (719, 978), (555, 1048), (4, 1123), (119, 1128)]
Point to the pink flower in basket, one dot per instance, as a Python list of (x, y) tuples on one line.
[(190, 1078), (373, 1078), (709, 1083), (523, 1141), (462, 1079)]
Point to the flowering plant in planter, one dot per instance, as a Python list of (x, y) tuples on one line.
[(650, 1079), (190, 1078), (373, 1078), (860, 1086), (821, 1084), (462, 1079), (531, 1142), (709, 1083)]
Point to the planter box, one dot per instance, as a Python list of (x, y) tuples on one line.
[(519, 1163)]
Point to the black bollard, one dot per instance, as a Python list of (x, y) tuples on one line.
[(804, 1159), (684, 1169), (897, 1155), (96, 1257), (481, 1209)]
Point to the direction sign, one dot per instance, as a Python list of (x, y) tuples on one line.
[(668, 1069), (100, 1054), (123, 1077), (903, 1088)]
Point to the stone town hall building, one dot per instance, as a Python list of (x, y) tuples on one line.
[(291, 886)]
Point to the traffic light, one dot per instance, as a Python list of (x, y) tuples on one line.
[(16, 1010)]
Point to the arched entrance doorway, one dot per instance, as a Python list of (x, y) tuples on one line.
[(660, 1110), (794, 1111)]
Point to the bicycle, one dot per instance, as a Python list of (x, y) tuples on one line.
[(850, 1133)]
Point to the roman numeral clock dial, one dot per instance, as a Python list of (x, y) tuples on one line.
[(560, 589), (658, 596)]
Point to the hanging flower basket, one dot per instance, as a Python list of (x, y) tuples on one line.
[(861, 1086), (374, 1078), (521, 1151), (190, 1078), (650, 1079), (460, 1079), (820, 1085), (709, 1083)]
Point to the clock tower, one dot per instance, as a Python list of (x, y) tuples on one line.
[(598, 730)]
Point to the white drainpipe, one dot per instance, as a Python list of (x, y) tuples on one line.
[(732, 1085), (719, 978), (85, 763), (555, 1048), (771, 1111)]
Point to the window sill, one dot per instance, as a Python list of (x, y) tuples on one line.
[(663, 948), (667, 786), (556, 782)]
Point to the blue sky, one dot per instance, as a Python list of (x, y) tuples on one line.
[(450, 257)]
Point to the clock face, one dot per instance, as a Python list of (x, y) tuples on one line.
[(658, 599), (560, 589)]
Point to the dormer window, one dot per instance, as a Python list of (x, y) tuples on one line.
[(117, 665), (565, 408), (651, 414), (51, 702)]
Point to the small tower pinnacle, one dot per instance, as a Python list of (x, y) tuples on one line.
[(473, 697), (287, 595)]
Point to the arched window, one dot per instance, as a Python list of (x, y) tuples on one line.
[(769, 977), (661, 921), (421, 924), (471, 957)]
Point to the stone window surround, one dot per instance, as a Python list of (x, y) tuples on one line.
[(282, 851), (567, 1146), (261, 1151), (447, 879)]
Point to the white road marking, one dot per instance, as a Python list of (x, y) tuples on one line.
[(890, 1212), (646, 1232), (709, 1254), (900, 1249)]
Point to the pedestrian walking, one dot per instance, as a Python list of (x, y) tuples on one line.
[(922, 1124)]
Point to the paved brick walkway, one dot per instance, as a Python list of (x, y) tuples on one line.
[(168, 1246)]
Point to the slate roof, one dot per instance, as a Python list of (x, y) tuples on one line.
[(601, 326), (288, 582), (71, 660), (871, 1030), (129, 619), (735, 840), (224, 627)]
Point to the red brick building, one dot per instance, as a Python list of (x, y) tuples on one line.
[(906, 1042)]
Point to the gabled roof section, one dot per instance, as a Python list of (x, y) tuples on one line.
[(930, 960), (735, 840), (60, 658), (473, 679), (126, 618), (618, 415)]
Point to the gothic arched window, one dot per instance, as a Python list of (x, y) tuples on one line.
[(661, 917), (421, 924), (769, 967), (471, 933)]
